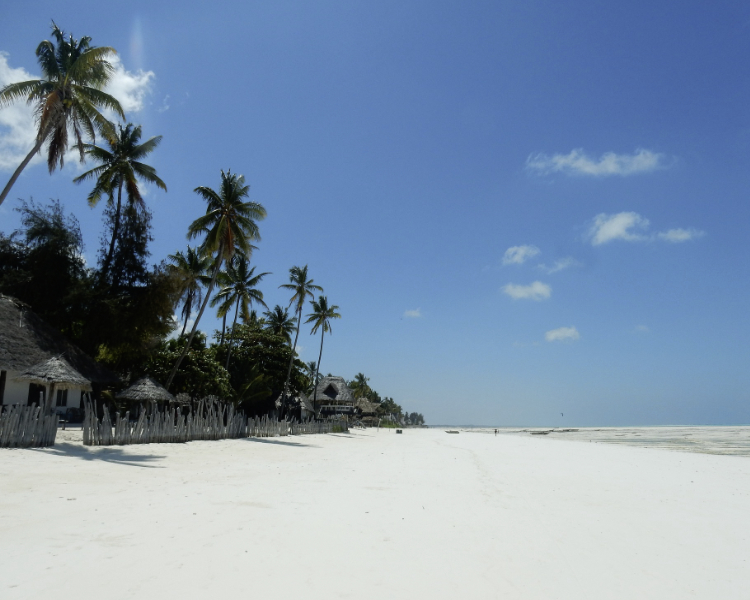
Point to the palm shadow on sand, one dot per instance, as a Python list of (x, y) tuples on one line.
[(111, 454), (278, 442)]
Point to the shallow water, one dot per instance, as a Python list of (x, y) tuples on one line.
[(728, 440)]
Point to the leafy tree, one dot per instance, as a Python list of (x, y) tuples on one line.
[(69, 96), (42, 264), (359, 386), (201, 374), (321, 317), (279, 322), (259, 351), (239, 288), (120, 167), (190, 269), (229, 225), (302, 289)]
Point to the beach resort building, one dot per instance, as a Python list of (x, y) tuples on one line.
[(27, 341), (333, 397)]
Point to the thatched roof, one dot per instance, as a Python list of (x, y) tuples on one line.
[(299, 399), (365, 406), (55, 370), (146, 389), (333, 389), (26, 340)]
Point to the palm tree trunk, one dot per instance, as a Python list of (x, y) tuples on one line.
[(231, 339), (21, 167), (219, 259), (291, 359), (317, 368), (223, 328), (115, 229), (188, 309)]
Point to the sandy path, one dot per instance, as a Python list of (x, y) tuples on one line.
[(373, 515)]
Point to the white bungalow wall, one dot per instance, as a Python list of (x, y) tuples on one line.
[(17, 392)]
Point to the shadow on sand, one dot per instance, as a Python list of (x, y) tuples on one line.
[(111, 454), (278, 442)]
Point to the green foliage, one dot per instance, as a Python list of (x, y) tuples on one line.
[(200, 373), (259, 351)]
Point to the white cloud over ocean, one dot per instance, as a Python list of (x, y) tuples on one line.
[(534, 291), (632, 227), (517, 255), (18, 124), (562, 334), (576, 162)]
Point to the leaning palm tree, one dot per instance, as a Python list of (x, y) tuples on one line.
[(280, 323), (303, 289), (229, 225), (241, 291), (190, 269), (120, 167), (69, 95), (321, 317)]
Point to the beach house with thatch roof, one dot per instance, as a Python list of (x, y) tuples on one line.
[(333, 397), (366, 411), (28, 346)]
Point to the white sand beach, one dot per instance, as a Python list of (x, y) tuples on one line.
[(373, 515)]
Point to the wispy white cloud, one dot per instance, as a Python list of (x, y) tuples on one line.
[(632, 227), (559, 265), (627, 226), (534, 291), (413, 314), (576, 162), (164, 105), (562, 334), (18, 124), (642, 329), (680, 235), (517, 255)]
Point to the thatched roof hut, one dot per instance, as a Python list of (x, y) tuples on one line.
[(365, 407), (146, 389), (57, 372), (333, 390), (26, 340)]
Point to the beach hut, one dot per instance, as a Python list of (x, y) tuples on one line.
[(146, 389), (333, 397), (55, 373), (367, 411), (26, 341)]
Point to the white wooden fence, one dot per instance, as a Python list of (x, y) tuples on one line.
[(207, 419), (27, 427)]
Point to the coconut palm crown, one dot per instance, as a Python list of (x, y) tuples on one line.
[(229, 226), (190, 269), (69, 96), (321, 317)]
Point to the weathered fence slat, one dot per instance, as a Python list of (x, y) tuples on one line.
[(27, 427)]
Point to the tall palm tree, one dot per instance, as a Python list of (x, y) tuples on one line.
[(240, 290), (229, 225), (69, 95), (191, 269), (280, 323), (310, 369), (359, 385), (120, 167), (303, 289), (321, 317)]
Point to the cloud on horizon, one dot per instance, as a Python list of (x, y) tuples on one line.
[(517, 255), (576, 162), (535, 291), (562, 334), (18, 123), (632, 227), (413, 314)]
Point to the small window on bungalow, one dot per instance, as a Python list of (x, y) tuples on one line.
[(62, 398), (36, 392)]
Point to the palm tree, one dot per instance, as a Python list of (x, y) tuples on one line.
[(279, 322), (240, 290), (310, 368), (70, 95), (120, 167), (360, 386), (303, 289), (191, 269), (229, 225), (320, 317)]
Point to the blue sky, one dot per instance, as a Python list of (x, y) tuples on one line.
[(522, 209)]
